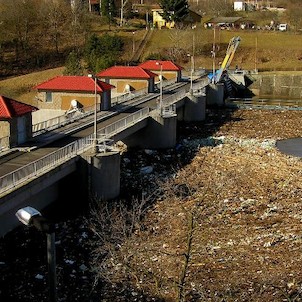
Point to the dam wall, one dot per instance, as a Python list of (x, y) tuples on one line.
[(277, 85)]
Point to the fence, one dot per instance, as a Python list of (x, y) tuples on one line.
[(65, 119)]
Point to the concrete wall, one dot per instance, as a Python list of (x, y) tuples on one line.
[(277, 86), (105, 175), (195, 108), (4, 134), (215, 94), (46, 114), (62, 100), (135, 84), (168, 75)]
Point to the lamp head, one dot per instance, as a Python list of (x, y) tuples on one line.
[(26, 214)]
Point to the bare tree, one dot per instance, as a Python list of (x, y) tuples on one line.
[(55, 16), (18, 20)]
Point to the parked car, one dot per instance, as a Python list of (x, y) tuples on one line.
[(282, 27)]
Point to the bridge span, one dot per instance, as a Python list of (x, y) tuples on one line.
[(32, 174)]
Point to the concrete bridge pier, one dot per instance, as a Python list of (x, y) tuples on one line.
[(160, 133), (195, 108), (215, 94), (104, 176)]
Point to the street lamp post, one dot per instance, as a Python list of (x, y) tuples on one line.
[(161, 86), (95, 113), (31, 216), (133, 43), (192, 69)]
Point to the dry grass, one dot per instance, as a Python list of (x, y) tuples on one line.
[(272, 50), (21, 87)]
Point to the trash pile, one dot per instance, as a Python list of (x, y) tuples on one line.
[(222, 222)]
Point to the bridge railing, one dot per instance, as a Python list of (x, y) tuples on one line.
[(165, 83), (61, 120), (175, 96), (44, 164), (128, 96), (56, 158), (124, 123), (65, 119)]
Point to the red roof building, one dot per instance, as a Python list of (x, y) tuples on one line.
[(59, 92), (170, 70), (126, 72), (128, 78), (10, 108), (15, 122), (75, 84)]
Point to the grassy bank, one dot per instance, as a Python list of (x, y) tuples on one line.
[(21, 88)]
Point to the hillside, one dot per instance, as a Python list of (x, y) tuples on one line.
[(265, 51)]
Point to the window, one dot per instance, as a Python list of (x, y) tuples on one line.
[(48, 97)]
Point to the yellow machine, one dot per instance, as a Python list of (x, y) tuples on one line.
[(232, 47)]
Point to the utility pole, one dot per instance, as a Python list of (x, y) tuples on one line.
[(256, 49), (214, 54)]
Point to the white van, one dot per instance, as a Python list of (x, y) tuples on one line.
[(282, 27)]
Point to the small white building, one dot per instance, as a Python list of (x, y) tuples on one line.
[(239, 6)]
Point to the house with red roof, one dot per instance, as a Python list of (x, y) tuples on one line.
[(63, 91), (15, 122), (169, 69), (128, 78)]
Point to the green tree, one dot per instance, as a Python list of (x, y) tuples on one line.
[(174, 10), (108, 8), (102, 52), (73, 64)]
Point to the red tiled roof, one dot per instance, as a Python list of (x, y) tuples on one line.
[(11, 108), (74, 83), (155, 65), (122, 72)]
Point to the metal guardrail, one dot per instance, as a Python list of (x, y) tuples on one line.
[(56, 158), (66, 119), (165, 83), (60, 121), (173, 98), (128, 96)]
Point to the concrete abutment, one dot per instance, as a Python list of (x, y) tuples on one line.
[(160, 133), (215, 94)]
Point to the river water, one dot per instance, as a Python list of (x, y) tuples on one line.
[(265, 103)]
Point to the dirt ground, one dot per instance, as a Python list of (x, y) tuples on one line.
[(218, 218)]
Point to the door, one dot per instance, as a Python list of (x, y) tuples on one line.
[(21, 129)]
